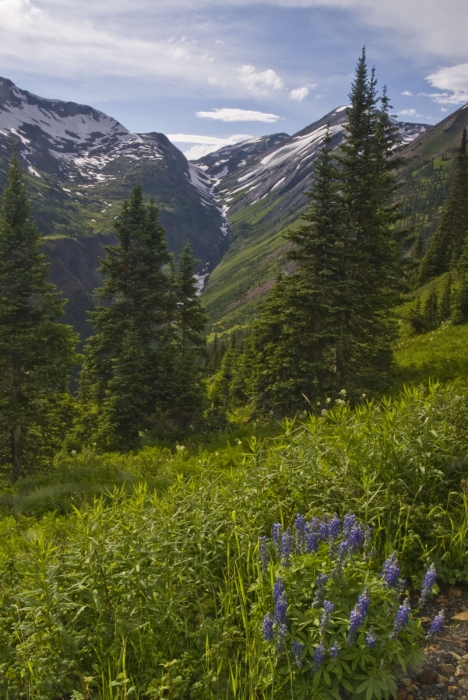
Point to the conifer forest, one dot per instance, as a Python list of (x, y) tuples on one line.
[(275, 508)]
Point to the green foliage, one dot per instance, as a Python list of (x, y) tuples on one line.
[(157, 590), (364, 666), (36, 352)]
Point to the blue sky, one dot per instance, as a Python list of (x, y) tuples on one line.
[(208, 73)]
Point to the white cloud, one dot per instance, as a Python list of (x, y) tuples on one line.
[(443, 109), (205, 144), (260, 82), (227, 114), (453, 82), (407, 93), (409, 113), (299, 94)]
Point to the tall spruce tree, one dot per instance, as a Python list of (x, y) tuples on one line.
[(296, 346), (36, 352), (190, 322), (448, 241), (128, 374), (326, 326)]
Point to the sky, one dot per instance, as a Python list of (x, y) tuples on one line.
[(212, 72)]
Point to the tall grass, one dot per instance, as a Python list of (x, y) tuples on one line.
[(153, 593)]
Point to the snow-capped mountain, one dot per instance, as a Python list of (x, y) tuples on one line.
[(80, 164), (280, 172)]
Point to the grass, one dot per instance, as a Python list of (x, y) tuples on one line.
[(151, 590)]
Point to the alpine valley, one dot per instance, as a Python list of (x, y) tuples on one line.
[(233, 206)]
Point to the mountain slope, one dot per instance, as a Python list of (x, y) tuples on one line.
[(80, 164), (261, 198), (427, 176)]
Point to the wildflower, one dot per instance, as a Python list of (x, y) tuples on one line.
[(281, 634), (319, 655), (401, 619), (391, 577), (343, 392), (327, 611), (334, 651), (286, 548), (400, 587), (268, 627), (428, 583), (323, 529), (367, 537), (348, 522), (356, 536), (300, 528), (312, 542), (280, 609), (357, 616), (363, 602), (320, 582), (437, 624), (277, 531), (387, 563), (371, 639), (297, 651), (263, 555), (278, 590), (334, 528)]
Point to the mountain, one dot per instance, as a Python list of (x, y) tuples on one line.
[(261, 198), (80, 164)]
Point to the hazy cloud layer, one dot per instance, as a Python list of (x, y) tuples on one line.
[(226, 114)]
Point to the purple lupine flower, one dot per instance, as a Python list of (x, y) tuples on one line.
[(268, 627), (363, 602), (367, 537), (280, 609), (297, 651), (323, 529), (334, 528), (357, 616), (348, 522), (371, 639), (278, 589), (327, 611), (286, 548), (312, 542), (263, 555), (320, 582), (356, 536), (429, 580), (401, 619), (342, 552), (387, 563), (392, 574), (277, 530), (300, 529), (281, 634), (334, 651), (437, 625), (313, 525), (319, 655)]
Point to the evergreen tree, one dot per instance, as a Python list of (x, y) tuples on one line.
[(448, 241), (129, 367), (460, 302), (36, 352), (417, 319), (297, 346), (431, 311), (189, 398), (326, 326), (446, 301)]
